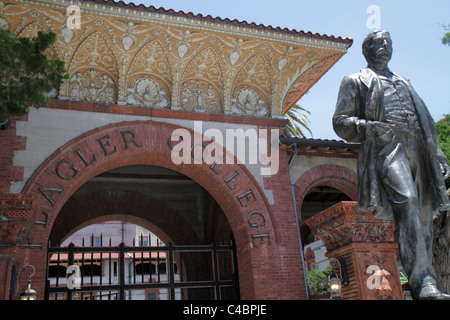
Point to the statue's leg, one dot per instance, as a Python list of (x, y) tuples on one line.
[(398, 177)]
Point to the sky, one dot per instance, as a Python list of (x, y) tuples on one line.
[(416, 28)]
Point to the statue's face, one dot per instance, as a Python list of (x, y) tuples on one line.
[(380, 50)]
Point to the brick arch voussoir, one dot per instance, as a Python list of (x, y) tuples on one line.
[(106, 205)]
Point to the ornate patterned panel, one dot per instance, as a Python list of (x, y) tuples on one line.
[(309, 64), (199, 95), (202, 83), (92, 85), (149, 78), (151, 59), (93, 71), (96, 52), (252, 88)]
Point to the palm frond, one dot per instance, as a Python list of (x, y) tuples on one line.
[(298, 120)]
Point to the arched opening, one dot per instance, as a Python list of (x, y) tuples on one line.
[(167, 199), (317, 199), (154, 213), (317, 189)]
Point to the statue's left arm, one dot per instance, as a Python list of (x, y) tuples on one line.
[(432, 138)]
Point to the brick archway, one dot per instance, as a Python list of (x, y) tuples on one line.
[(146, 143), (330, 175), (338, 177)]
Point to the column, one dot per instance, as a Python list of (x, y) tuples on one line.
[(368, 246)]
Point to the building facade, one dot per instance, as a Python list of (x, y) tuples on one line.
[(170, 121)]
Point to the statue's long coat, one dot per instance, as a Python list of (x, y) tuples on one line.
[(360, 100)]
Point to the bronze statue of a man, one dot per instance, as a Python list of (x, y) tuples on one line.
[(401, 169)]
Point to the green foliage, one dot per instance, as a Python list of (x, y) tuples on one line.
[(446, 39), (298, 119), (318, 280), (26, 74), (443, 138), (403, 278)]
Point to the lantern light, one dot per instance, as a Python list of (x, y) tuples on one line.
[(335, 284), (29, 293), (336, 281)]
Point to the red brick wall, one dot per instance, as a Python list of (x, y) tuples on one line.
[(5, 275), (10, 142)]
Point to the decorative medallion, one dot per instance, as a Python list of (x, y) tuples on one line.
[(246, 101), (148, 93)]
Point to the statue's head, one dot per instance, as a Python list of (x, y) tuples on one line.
[(377, 47)]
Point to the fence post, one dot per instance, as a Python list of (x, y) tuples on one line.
[(121, 271), (70, 259), (216, 271), (171, 271)]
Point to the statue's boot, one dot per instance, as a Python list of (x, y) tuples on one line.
[(431, 292)]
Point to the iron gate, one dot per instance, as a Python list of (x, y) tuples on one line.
[(169, 272)]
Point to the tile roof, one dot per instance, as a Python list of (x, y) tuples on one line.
[(244, 23), (317, 143)]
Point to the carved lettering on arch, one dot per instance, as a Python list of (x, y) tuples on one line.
[(48, 193), (43, 222)]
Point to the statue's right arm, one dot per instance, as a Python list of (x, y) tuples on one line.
[(347, 120)]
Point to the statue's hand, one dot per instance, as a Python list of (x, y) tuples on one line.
[(445, 168), (380, 129)]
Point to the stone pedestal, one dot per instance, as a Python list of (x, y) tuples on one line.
[(367, 245)]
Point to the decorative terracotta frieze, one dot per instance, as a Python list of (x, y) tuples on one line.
[(152, 59), (343, 223), (16, 214)]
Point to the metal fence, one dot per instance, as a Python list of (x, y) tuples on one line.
[(168, 272)]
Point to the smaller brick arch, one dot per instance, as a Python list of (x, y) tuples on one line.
[(122, 205), (331, 175), (338, 177), (128, 219)]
